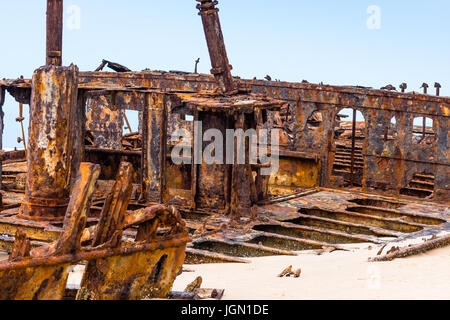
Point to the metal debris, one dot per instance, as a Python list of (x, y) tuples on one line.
[(289, 272), (193, 286), (114, 66), (389, 87), (414, 249), (132, 269), (285, 272)]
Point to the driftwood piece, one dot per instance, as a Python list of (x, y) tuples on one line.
[(414, 249)]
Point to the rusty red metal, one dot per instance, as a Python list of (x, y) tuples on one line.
[(41, 273), (221, 68), (51, 146), (54, 32)]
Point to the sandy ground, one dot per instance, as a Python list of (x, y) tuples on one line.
[(336, 275)]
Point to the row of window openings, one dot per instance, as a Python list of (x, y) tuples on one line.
[(422, 129), (422, 126)]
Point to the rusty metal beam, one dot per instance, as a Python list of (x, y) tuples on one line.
[(352, 166), (154, 145), (221, 68), (54, 32), (304, 98), (100, 253), (288, 91), (113, 213)]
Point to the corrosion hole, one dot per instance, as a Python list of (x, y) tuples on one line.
[(131, 121), (314, 121), (191, 230), (377, 203), (157, 269), (423, 131)]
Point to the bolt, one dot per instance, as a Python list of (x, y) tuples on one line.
[(403, 86), (438, 87), (425, 88), (196, 64)]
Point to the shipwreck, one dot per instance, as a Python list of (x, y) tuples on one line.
[(83, 192)]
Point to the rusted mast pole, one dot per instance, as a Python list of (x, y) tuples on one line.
[(53, 143), (221, 68), (54, 32)]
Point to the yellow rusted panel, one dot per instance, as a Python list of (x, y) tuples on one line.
[(294, 174), (445, 110), (34, 283), (9, 226), (141, 275)]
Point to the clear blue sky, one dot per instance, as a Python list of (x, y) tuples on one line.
[(290, 40)]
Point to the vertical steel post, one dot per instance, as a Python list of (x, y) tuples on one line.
[(424, 127), (54, 32), (352, 166)]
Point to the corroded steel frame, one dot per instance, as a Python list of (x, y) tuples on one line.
[(304, 99)]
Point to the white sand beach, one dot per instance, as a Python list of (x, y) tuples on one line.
[(336, 275)]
